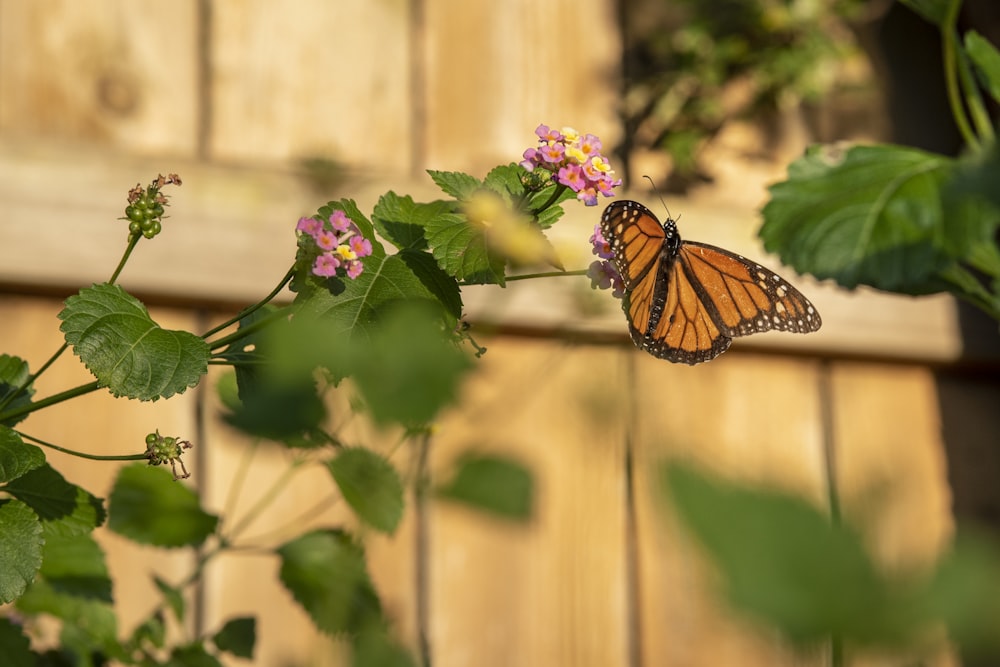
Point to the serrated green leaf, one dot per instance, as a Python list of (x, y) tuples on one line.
[(325, 572), (783, 562), (505, 179), (74, 565), (16, 456), (20, 548), (130, 354), (873, 216), (238, 637), (88, 513), (407, 369), (15, 647), (402, 221), (986, 59), (149, 507), (493, 484), (13, 373), (371, 486), (461, 249), (435, 280), (173, 596), (47, 493), (455, 183)]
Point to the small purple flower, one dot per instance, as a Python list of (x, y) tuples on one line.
[(572, 176), (354, 269), (601, 246), (553, 153), (361, 246), (603, 276), (548, 135), (576, 161), (588, 196), (326, 265), (326, 240)]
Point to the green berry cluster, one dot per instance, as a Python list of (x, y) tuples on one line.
[(162, 449), (146, 206)]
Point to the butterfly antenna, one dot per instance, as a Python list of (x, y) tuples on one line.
[(658, 195)]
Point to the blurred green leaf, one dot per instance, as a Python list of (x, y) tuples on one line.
[(325, 572), (493, 484), (173, 596), (20, 548), (246, 354), (371, 486), (461, 249), (278, 407), (237, 637), (986, 59), (933, 11), (89, 624), (15, 647), (130, 354), (375, 648), (74, 565), (875, 215), (149, 507), (192, 655), (13, 373)]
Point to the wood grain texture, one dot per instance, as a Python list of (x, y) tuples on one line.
[(312, 79), (554, 591), (114, 72)]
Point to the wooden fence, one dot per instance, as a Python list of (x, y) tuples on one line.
[(231, 94)]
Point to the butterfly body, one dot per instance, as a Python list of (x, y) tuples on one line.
[(685, 301)]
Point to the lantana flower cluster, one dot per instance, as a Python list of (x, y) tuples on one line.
[(575, 161), (602, 272), (339, 243)]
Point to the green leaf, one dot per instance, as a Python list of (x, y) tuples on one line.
[(497, 485), (20, 548), (874, 216), (13, 373), (16, 456), (113, 334), (375, 648), (325, 572), (505, 179), (434, 279), (15, 647), (986, 59), (455, 183), (402, 221), (192, 655), (783, 562), (89, 625), (151, 631), (246, 354), (47, 493), (371, 486), (173, 596), (87, 514), (279, 408), (461, 249), (74, 565), (149, 507), (238, 637), (407, 369), (933, 11)]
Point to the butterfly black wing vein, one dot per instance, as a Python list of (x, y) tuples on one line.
[(685, 301)]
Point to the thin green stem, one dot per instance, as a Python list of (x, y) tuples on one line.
[(547, 274), (951, 55), (266, 498), (255, 307), (82, 455), (132, 243), (243, 332), (560, 188), (51, 400)]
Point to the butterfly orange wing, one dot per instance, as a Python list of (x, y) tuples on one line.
[(686, 301)]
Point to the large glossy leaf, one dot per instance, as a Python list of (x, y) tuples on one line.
[(875, 215), (113, 334), (148, 506), (325, 572)]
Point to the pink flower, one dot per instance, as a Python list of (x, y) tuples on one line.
[(308, 226), (553, 153), (601, 247), (326, 240), (588, 196), (590, 145), (548, 135), (572, 176), (361, 246), (354, 269), (575, 161), (340, 222), (603, 275), (326, 265)]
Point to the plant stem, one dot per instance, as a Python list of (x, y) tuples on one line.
[(951, 55), (547, 274), (243, 332), (255, 307), (560, 188), (83, 455), (125, 255), (266, 498), (51, 400)]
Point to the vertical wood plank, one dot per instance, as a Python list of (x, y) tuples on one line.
[(107, 70), (745, 417), (494, 71), (97, 423), (312, 79), (552, 592)]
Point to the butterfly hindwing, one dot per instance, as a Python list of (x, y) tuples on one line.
[(685, 301)]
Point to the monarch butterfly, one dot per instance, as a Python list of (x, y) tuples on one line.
[(686, 301)]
